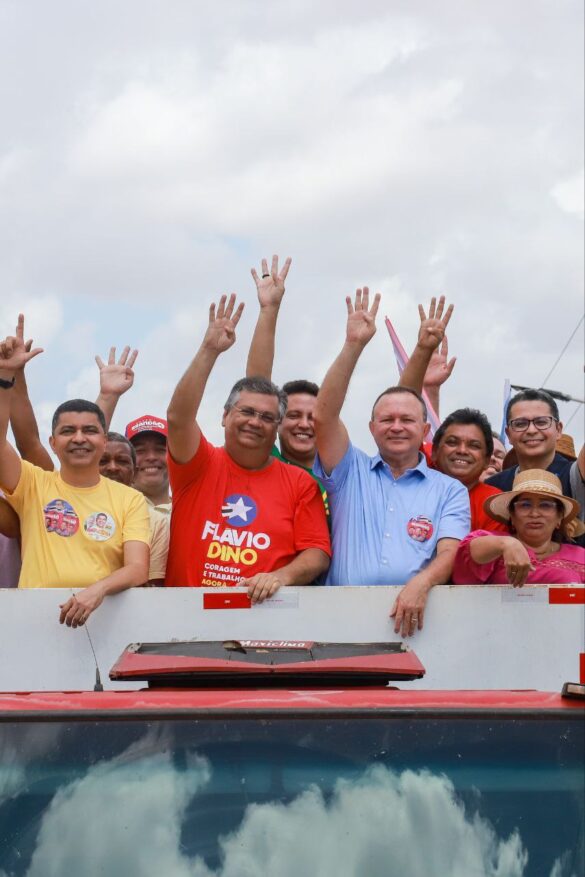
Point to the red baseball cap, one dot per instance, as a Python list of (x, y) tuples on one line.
[(146, 423)]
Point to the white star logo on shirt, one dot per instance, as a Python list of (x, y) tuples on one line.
[(236, 510)]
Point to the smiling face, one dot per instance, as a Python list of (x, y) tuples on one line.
[(462, 453), (532, 444), (398, 428), (78, 440), (117, 464), (246, 432), (152, 476), (297, 431)]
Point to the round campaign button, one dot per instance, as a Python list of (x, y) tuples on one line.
[(100, 526), (420, 528), (239, 510), (60, 518)]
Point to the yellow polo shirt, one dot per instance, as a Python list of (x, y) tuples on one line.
[(74, 536)]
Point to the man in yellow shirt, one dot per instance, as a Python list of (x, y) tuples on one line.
[(78, 529)]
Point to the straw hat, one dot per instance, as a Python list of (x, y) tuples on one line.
[(565, 446), (537, 482)]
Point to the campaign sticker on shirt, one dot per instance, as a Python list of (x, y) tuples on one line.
[(60, 518), (420, 528), (99, 526), (239, 510)]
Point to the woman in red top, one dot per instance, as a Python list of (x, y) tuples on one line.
[(539, 519)]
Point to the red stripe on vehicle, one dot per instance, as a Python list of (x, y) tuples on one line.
[(226, 601), (582, 668), (566, 595)]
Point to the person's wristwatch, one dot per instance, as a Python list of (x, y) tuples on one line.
[(7, 385)]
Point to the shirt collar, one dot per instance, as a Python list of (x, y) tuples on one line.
[(422, 465)]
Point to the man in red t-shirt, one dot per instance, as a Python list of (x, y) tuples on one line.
[(240, 516), (462, 448)]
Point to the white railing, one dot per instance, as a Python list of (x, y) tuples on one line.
[(475, 637)]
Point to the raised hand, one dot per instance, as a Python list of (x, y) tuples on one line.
[(270, 285), (15, 352), (440, 366), (361, 318), (116, 377), (221, 331), (432, 328)]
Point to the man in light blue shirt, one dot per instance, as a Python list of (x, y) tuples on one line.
[(394, 520)]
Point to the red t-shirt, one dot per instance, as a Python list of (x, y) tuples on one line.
[(480, 520), (230, 523)]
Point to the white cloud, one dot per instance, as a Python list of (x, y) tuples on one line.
[(127, 816), (382, 825), (44, 316), (426, 149), (119, 819), (569, 194)]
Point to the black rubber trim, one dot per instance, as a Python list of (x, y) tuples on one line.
[(221, 714)]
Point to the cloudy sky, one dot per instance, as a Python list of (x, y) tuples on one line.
[(152, 153)]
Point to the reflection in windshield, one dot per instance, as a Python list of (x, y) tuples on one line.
[(339, 797)]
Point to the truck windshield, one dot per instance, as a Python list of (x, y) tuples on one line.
[(370, 796)]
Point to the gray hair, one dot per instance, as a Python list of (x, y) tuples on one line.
[(256, 385)]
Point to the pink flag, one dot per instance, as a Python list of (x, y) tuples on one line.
[(401, 360)]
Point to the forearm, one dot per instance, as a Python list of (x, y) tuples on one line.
[(305, 568), (128, 576), (261, 354), (25, 427), (336, 383), (107, 402), (415, 369), (10, 466), (186, 399), (438, 572), (5, 402), (484, 549), (9, 521)]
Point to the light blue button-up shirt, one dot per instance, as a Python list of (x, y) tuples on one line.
[(386, 529)]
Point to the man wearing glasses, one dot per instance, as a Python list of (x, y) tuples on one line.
[(240, 516), (533, 427)]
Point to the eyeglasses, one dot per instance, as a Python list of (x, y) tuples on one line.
[(525, 506), (521, 424), (251, 413)]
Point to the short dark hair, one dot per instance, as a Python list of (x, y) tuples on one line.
[(301, 386), (118, 437), (533, 396), (256, 385), (78, 406), (467, 416), (392, 391)]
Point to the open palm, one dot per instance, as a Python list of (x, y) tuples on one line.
[(221, 331), (270, 286), (361, 318)]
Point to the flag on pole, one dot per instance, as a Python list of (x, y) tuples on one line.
[(507, 397), (401, 360)]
